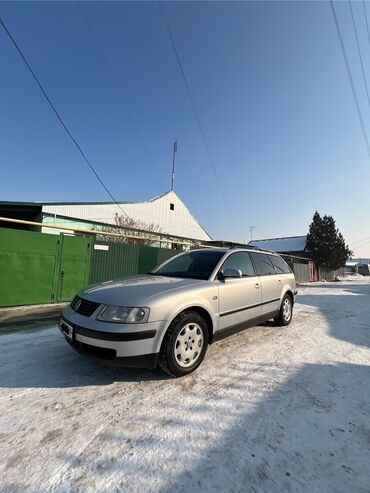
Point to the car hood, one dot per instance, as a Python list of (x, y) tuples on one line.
[(134, 290)]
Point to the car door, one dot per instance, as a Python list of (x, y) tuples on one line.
[(271, 283), (239, 298)]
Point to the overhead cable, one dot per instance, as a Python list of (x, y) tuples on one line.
[(349, 73), (51, 104), (192, 102)]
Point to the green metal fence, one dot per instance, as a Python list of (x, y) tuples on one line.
[(41, 268), (112, 259), (45, 268)]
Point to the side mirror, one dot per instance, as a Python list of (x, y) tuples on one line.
[(232, 273)]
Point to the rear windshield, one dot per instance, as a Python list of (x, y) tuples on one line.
[(194, 265)]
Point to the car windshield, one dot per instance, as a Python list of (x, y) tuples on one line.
[(194, 265)]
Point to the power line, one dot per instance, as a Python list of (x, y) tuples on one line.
[(58, 115), (359, 52), (115, 83), (367, 23), (362, 246), (173, 44), (360, 241), (350, 77)]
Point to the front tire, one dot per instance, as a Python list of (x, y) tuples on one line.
[(286, 311), (184, 345)]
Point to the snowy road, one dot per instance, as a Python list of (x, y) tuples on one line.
[(270, 409)]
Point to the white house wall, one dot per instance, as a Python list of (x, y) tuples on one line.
[(178, 222)]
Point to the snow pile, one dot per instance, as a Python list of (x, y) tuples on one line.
[(351, 277)]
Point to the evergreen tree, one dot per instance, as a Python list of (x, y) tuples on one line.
[(326, 244)]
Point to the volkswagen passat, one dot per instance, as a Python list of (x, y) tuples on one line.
[(169, 316)]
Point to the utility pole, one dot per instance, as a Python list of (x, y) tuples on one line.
[(251, 229), (173, 164)]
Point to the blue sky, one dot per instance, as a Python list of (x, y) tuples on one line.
[(269, 83)]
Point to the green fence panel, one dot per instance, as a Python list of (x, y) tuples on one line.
[(27, 267), (110, 260), (147, 259), (165, 254)]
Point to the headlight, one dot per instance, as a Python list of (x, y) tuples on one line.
[(124, 314)]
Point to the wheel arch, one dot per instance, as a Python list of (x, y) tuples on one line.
[(204, 313), (289, 292)]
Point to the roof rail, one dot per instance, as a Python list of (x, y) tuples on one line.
[(251, 247)]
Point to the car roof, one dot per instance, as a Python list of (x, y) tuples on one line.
[(237, 249)]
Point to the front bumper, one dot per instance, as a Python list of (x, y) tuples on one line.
[(109, 357), (135, 345)]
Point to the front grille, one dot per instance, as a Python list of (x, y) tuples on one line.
[(85, 307)]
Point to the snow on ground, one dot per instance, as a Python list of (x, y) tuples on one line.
[(269, 410), (351, 277)]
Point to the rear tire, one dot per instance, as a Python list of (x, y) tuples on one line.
[(184, 345), (286, 312)]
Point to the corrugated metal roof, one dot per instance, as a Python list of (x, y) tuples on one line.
[(289, 244), (41, 202), (120, 202), (179, 222), (12, 202)]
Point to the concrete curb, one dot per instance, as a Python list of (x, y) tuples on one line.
[(20, 315)]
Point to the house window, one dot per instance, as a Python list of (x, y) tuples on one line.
[(172, 207)]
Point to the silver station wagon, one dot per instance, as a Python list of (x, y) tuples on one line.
[(169, 316)]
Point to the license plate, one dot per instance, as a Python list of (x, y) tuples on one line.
[(66, 329)]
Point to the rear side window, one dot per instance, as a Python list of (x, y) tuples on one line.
[(262, 264), (280, 265), (240, 261)]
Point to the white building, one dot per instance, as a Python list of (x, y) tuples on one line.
[(167, 211)]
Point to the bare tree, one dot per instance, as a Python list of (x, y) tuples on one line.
[(126, 226)]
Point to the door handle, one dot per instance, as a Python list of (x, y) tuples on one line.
[(62, 273), (280, 281), (257, 286)]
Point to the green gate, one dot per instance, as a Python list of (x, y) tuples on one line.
[(74, 263), (41, 268)]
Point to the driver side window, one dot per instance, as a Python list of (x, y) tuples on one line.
[(240, 261)]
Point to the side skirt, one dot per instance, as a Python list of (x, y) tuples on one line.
[(234, 329)]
